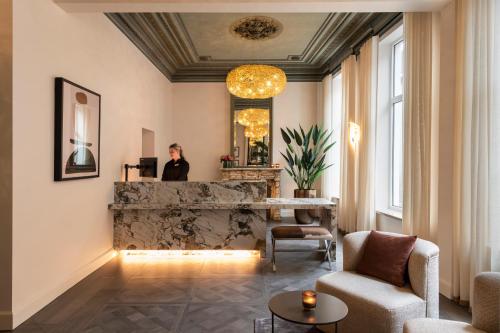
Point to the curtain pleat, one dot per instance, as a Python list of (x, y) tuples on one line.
[(474, 109), (418, 104), (366, 119), (348, 169), (327, 177)]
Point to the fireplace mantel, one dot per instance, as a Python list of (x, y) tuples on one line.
[(271, 175)]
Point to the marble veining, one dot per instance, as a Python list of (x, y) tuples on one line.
[(200, 215), (279, 203), (189, 192), (190, 229)]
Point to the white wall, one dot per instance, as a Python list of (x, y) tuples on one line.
[(201, 124), (63, 230)]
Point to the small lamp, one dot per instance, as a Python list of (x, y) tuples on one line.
[(354, 133)]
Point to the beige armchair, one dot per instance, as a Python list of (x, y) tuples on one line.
[(485, 311), (375, 305)]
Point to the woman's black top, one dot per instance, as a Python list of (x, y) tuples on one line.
[(175, 170)]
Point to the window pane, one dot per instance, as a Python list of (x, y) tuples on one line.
[(397, 155), (398, 69)]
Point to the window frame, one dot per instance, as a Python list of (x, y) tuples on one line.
[(394, 100)]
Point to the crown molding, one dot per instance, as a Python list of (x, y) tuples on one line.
[(165, 41)]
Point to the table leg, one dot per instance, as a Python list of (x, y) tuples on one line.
[(336, 327), (272, 322)]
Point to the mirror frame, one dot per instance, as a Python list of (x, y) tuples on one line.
[(238, 103)]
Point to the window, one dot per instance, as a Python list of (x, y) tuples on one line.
[(397, 123), (390, 124)]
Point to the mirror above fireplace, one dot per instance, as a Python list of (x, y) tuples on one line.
[(251, 131)]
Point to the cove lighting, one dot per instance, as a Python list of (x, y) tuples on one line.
[(201, 254)]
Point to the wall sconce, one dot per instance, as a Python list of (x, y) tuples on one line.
[(354, 134)]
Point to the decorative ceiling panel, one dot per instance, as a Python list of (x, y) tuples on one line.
[(199, 47)]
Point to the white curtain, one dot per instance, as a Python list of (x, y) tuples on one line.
[(348, 168), (474, 145), (494, 217), (327, 177), (420, 63), (366, 119)]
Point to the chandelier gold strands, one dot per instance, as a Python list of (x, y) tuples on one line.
[(256, 81), (253, 117), (256, 132)]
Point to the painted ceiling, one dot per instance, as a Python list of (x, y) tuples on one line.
[(194, 47)]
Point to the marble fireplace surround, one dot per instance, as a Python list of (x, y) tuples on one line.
[(229, 215)]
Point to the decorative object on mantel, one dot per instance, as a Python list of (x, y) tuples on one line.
[(227, 161), (256, 81), (305, 155), (77, 131)]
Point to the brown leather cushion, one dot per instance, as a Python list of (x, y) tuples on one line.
[(300, 232), (386, 257)]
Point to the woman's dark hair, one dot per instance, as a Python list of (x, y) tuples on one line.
[(177, 147)]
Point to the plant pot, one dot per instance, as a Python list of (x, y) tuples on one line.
[(305, 216)]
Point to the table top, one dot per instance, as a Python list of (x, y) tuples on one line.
[(278, 203), (288, 306)]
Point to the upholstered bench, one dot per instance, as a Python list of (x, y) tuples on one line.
[(302, 233)]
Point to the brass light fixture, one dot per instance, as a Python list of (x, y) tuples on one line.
[(256, 81), (253, 117)]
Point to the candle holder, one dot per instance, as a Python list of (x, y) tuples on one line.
[(309, 299)]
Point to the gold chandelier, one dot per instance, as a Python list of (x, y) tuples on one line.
[(256, 132), (256, 81), (253, 117)]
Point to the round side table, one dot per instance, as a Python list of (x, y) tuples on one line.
[(288, 306)]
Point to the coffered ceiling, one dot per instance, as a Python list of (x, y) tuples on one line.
[(193, 47)]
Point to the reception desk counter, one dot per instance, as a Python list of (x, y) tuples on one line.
[(228, 215)]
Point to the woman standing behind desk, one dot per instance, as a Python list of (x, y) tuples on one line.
[(177, 168)]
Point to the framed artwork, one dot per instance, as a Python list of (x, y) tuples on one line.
[(77, 131), (236, 151)]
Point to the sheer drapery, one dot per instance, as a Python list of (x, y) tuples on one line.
[(327, 177), (473, 145), (348, 168), (357, 172), (366, 119), (418, 121)]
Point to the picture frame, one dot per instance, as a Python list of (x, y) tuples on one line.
[(77, 131), (236, 152)]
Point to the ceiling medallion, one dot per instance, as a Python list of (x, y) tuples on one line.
[(256, 81), (256, 28)]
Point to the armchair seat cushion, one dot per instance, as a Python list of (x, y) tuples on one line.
[(429, 325), (374, 305)]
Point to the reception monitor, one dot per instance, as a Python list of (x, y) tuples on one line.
[(148, 167)]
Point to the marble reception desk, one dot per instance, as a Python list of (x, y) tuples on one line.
[(229, 215)]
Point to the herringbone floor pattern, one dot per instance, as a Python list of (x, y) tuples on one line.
[(188, 296)]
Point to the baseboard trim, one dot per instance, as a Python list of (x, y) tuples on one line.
[(445, 288), (20, 316), (6, 320)]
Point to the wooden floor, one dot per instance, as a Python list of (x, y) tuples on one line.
[(188, 295)]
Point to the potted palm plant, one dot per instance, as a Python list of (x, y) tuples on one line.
[(305, 156)]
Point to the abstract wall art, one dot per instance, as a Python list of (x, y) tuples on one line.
[(77, 131)]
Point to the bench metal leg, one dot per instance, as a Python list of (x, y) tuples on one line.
[(328, 246), (274, 254)]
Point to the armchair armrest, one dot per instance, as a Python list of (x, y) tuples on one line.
[(423, 270)]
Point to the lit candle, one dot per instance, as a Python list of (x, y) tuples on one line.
[(309, 299)]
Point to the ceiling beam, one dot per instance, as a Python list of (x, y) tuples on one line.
[(247, 6)]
